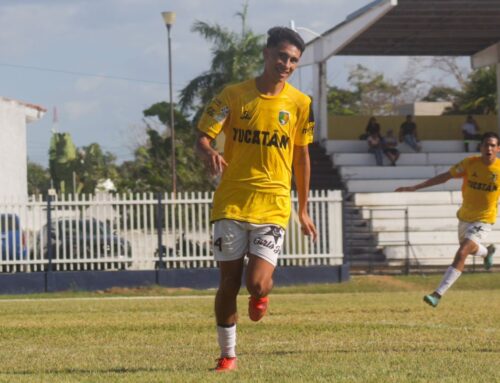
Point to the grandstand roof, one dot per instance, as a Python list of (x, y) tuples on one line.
[(431, 27), (425, 28)]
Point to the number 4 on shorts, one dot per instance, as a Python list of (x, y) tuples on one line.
[(218, 243)]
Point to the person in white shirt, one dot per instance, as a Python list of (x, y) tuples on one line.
[(470, 131)]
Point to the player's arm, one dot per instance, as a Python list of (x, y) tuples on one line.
[(439, 179), (212, 158), (302, 171)]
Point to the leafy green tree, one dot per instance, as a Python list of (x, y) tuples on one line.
[(38, 179), (479, 94), (92, 166), (62, 154), (377, 96), (343, 102), (441, 93), (152, 168), (235, 57), (370, 94)]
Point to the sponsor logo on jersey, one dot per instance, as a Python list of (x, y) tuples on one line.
[(481, 186), (258, 137), (220, 115), (284, 117)]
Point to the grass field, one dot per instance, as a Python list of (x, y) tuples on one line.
[(372, 329)]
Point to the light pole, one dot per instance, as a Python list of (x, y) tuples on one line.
[(169, 18)]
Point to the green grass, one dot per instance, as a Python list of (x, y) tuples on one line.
[(372, 329)]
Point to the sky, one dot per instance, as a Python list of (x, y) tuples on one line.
[(102, 62)]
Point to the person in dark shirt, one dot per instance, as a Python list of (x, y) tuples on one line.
[(373, 127), (408, 134)]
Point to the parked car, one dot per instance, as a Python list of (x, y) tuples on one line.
[(12, 237), (85, 239)]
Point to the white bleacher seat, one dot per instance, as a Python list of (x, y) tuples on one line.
[(427, 255), (406, 159), (407, 199), (431, 222), (427, 238), (423, 211), (386, 172), (360, 146), (386, 185)]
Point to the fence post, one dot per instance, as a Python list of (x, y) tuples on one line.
[(335, 226), (159, 230), (49, 241), (407, 243)]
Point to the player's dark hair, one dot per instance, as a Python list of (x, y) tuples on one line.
[(488, 135), (277, 35)]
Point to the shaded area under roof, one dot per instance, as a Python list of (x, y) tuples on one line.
[(429, 28)]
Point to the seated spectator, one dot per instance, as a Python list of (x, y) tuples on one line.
[(375, 146), (408, 134), (470, 131), (372, 127), (389, 147)]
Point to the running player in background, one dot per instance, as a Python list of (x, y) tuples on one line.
[(268, 125), (480, 193)]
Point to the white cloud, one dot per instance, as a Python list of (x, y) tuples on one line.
[(76, 110), (87, 84), (28, 26)]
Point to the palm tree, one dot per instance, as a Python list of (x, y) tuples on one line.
[(235, 57)]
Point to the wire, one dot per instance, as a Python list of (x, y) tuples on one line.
[(74, 73)]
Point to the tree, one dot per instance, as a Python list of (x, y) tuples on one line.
[(62, 154), (441, 93), (479, 94), (93, 166), (371, 94), (377, 96), (152, 168), (235, 57), (38, 179), (343, 102)]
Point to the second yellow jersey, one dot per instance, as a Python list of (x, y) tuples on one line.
[(480, 189), (260, 132)]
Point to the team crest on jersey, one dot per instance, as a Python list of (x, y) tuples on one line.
[(284, 117), (221, 116), (493, 177)]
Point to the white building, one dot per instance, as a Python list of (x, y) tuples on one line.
[(422, 108), (14, 116)]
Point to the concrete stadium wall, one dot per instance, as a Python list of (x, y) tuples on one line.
[(429, 127), (27, 283)]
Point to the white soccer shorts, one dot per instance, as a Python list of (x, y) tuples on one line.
[(234, 239), (475, 231)]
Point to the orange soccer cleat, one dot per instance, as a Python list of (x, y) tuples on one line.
[(226, 364), (257, 308)]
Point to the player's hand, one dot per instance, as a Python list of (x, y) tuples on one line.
[(406, 189), (307, 226), (216, 163)]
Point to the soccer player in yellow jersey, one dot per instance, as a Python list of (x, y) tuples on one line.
[(268, 125), (480, 193)]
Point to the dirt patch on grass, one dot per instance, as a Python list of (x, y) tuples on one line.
[(392, 282), (141, 291)]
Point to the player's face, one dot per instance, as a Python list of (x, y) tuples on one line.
[(281, 61), (489, 149)]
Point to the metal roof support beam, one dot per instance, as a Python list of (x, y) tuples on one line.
[(320, 105), (328, 44), (487, 57)]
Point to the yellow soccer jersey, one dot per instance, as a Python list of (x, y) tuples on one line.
[(261, 132), (480, 189)]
